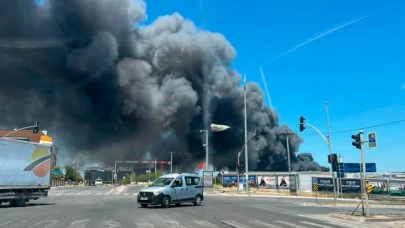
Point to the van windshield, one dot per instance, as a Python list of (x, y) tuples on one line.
[(161, 182)]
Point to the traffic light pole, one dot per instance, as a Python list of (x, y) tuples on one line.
[(363, 160), (330, 152), (287, 135)]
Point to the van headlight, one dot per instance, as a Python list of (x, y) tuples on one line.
[(157, 192)]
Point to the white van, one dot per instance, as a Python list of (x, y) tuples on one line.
[(174, 188)]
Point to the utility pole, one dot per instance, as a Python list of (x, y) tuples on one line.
[(206, 148), (246, 139), (363, 160), (171, 161), (287, 135), (155, 163), (330, 150)]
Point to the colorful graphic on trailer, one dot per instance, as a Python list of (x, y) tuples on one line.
[(267, 181), (40, 162)]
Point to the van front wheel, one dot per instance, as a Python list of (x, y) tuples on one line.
[(166, 202)]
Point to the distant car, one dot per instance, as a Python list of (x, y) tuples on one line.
[(99, 182), (175, 188)]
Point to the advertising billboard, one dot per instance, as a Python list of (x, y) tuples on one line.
[(283, 182), (397, 188), (267, 181), (381, 186), (208, 178), (231, 181), (325, 184)]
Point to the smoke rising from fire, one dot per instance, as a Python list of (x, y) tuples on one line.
[(108, 87)]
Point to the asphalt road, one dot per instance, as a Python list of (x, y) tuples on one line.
[(83, 207)]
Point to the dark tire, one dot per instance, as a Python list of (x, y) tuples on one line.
[(197, 200), (20, 200), (178, 204), (144, 205), (166, 202)]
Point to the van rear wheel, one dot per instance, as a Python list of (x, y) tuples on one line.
[(197, 200), (144, 205)]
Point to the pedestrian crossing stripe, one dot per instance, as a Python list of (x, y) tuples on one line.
[(175, 224)]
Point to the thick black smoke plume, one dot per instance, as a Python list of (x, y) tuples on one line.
[(109, 88)]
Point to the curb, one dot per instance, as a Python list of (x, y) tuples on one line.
[(358, 218)]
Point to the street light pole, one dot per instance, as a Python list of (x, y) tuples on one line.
[(246, 139), (330, 149), (206, 148), (171, 161), (155, 163)]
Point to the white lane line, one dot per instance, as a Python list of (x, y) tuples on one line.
[(314, 224), (263, 224), (111, 224), (175, 224), (205, 224), (99, 193), (78, 224), (135, 194), (125, 194), (144, 225), (47, 221), (333, 221), (289, 224), (5, 223), (234, 224)]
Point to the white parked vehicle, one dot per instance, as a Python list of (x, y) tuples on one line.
[(99, 182)]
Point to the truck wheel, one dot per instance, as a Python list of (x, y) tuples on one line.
[(20, 200), (144, 205)]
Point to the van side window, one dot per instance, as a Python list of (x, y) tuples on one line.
[(196, 180), (178, 182), (189, 181)]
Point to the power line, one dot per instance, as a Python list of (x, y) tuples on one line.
[(358, 129)]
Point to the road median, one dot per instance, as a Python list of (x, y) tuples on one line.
[(372, 218)]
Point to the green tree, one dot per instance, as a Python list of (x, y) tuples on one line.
[(142, 178), (72, 174), (127, 179), (54, 173)]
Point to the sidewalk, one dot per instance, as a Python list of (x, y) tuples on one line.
[(322, 201)]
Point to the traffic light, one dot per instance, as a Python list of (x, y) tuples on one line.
[(332, 159), (257, 135), (36, 127), (302, 127), (242, 169), (357, 143)]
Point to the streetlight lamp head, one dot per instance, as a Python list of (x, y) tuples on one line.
[(201, 131)]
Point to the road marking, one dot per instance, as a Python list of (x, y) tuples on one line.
[(111, 224), (205, 224), (258, 222), (333, 221), (314, 224), (144, 225), (175, 224), (99, 193), (234, 224), (5, 223), (78, 224), (135, 194), (289, 224), (125, 194), (78, 194), (58, 194), (47, 221), (68, 194)]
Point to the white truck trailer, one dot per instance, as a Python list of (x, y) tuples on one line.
[(25, 171)]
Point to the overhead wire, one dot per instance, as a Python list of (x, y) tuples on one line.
[(362, 128)]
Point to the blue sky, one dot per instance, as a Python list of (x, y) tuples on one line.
[(357, 69)]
